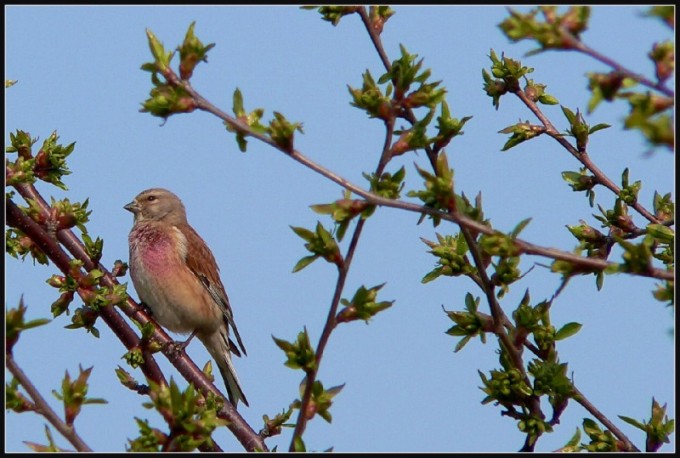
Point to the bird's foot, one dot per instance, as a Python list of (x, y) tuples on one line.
[(179, 346), (145, 308)]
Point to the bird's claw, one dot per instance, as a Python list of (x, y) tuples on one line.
[(179, 346), (145, 308)]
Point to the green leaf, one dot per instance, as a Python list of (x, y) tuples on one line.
[(632, 421), (597, 127), (299, 444), (590, 427), (161, 58), (521, 132), (304, 233), (571, 117), (238, 103), (660, 232), (304, 262), (548, 100), (568, 330), (520, 227), (459, 346), (574, 443)]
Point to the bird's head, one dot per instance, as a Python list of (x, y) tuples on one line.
[(157, 204)]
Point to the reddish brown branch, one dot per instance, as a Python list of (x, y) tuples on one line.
[(585, 263), (579, 46), (602, 418), (185, 366), (331, 321), (583, 157), (43, 408)]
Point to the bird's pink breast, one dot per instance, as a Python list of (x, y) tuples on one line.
[(153, 249), (177, 298)]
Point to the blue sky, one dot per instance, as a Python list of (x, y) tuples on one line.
[(78, 73)]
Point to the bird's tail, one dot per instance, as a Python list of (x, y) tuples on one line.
[(218, 347)]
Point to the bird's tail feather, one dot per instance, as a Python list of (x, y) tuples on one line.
[(218, 347)]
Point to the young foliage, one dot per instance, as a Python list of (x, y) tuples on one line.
[(320, 401), (300, 353), (552, 31), (438, 193), (48, 165), (469, 323), (579, 129), (74, 395), (15, 324), (658, 428), (452, 259), (190, 416), (363, 305), (320, 243)]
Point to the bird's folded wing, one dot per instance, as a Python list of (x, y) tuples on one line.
[(201, 262)]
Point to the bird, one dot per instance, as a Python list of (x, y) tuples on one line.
[(176, 276)]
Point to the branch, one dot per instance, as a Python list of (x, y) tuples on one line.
[(185, 366), (579, 46), (331, 321), (483, 281), (583, 158), (526, 247), (43, 408), (51, 247), (581, 399), (464, 221), (375, 37)]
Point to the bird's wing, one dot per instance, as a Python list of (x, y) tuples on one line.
[(201, 262)]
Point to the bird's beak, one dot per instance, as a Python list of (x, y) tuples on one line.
[(132, 207)]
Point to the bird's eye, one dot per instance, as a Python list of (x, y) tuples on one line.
[(151, 198)]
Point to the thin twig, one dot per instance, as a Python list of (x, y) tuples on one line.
[(588, 264), (499, 317), (375, 37), (579, 46), (582, 157), (43, 408), (581, 399), (331, 321)]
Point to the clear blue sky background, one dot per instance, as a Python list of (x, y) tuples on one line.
[(78, 72)]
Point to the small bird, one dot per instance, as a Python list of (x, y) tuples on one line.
[(176, 276)]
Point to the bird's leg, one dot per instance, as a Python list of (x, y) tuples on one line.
[(145, 308), (180, 346)]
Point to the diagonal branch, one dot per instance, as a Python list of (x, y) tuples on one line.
[(331, 320), (184, 365), (594, 411), (43, 408), (581, 47), (583, 158), (499, 317), (587, 264)]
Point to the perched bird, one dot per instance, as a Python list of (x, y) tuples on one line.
[(176, 276)]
